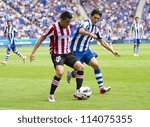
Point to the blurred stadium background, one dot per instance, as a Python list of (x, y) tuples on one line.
[(31, 16), (26, 86)]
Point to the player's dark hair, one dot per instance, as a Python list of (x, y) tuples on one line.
[(136, 17), (66, 14), (96, 11)]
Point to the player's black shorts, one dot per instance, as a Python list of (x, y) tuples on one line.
[(61, 59)]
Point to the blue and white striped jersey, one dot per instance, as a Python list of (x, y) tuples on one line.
[(137, 30), (108, 32), (11, 31), (81, 43)]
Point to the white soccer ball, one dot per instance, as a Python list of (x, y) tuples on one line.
[(85, 92)]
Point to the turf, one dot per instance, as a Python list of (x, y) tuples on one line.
[(26, 86)]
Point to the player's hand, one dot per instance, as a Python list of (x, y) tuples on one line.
[(116, 54), (93, 35), (32, 57)]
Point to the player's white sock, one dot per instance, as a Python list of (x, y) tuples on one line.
[(99, 77)]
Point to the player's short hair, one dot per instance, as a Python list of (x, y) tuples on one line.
[(96, 11), (65, 14), (136, 17), (9, 21)]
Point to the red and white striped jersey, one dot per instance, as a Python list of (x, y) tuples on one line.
[(59, 38)]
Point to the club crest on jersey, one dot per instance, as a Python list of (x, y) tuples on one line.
[(58, 59)]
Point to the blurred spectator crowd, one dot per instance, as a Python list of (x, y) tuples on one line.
[(30, 16), (118, 13), (146, 18)]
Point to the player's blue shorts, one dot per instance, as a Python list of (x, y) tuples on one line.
[(11, 47), (85, 57), (137, 41)]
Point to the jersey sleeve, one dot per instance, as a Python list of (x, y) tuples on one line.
[(15, 30), (132, 26), (71, 25), (98, 33), (141, 27), (84, 24), (5, 28), (47, 32)]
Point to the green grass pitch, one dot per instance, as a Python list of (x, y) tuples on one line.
[(26, 86)]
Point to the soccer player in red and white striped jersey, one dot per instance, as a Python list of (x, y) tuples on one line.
[(59, 34), (59, 37)]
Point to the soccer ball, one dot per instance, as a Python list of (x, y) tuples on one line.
[(85, 92)]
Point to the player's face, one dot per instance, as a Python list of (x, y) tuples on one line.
[(95, 18), (65, 22), (137, 20), (9, 23)]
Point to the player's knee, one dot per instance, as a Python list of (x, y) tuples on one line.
[(60, 73), (80, 67)]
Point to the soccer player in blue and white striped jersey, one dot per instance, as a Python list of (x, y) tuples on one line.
[(80, 44), (138, 33), (108, 34), (12, 35)]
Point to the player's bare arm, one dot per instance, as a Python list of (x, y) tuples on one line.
[(142, 33), (6, 34), (131, 32), (39, 42), (104, 44), (84, 33), (17, 35)]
